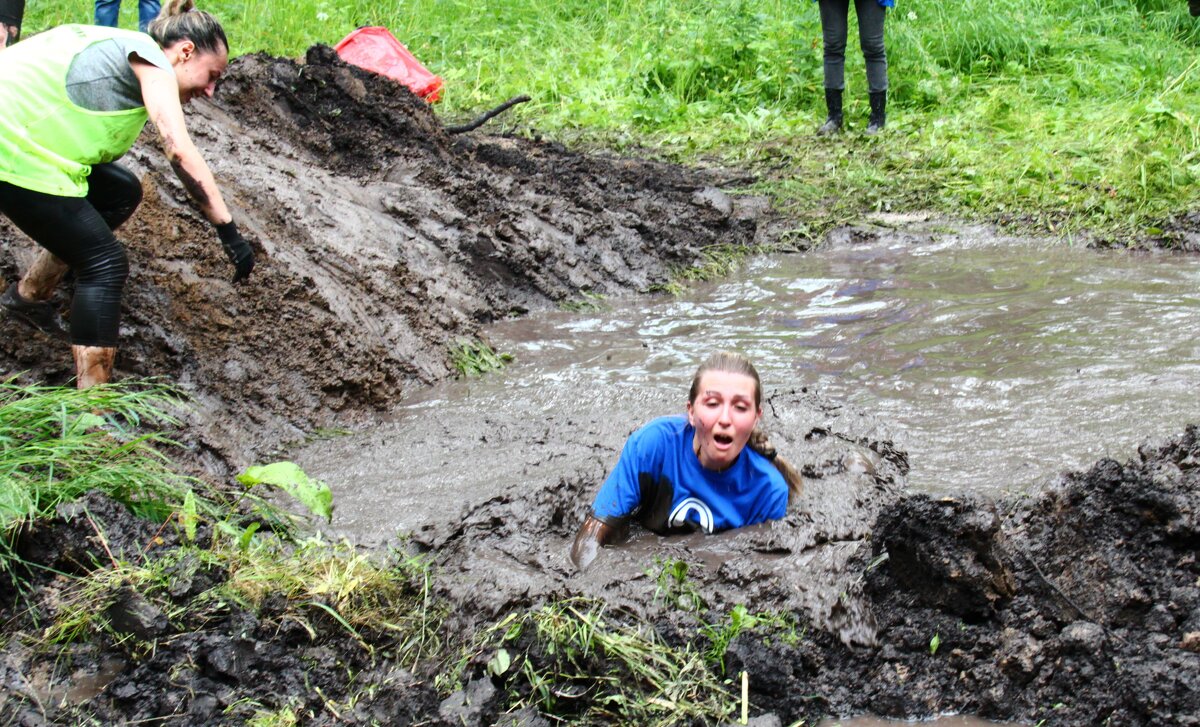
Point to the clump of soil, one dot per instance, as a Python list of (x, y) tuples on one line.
[(1078, 606)]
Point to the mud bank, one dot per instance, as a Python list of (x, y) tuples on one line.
[(1077, 606), (381, 242)]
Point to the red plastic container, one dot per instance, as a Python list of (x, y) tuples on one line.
[(377, 50)]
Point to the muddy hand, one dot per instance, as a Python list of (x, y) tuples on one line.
[(237, 249), (592, 534)]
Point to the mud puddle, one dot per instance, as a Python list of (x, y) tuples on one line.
[(996, 362), (985, 354)]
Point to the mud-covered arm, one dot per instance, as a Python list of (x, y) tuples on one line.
[(593, 534), (160, 93)]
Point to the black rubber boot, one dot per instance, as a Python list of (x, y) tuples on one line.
[(833, 102), (878, 112)]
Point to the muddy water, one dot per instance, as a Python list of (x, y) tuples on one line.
[(998, 363), (994, 363)]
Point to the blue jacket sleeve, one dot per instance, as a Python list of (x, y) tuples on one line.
[(620, 494)]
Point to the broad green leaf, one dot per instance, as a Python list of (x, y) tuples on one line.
[(287, 476), (499, 662)]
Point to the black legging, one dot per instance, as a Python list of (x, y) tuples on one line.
[(79, 230)]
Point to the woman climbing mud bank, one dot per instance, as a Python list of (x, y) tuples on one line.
[(78, 99)]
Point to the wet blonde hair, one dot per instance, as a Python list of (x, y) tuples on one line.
[(735, 363), (180, 20)]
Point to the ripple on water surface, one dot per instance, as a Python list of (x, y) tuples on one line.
[(1000, 365)]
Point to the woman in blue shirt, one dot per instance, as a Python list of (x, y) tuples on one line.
[(683, 473)]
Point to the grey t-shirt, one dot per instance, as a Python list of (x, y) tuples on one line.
[(101, 78)]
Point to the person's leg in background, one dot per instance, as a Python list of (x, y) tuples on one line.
[(833, 36), (147, 11), (107, 12), (871, 16), (11, 14)]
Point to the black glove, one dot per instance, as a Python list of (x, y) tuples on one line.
[(237, 249)]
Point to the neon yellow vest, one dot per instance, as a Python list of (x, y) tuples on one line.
[(47, 143)]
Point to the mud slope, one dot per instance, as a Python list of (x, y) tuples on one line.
[(1080, 606), (381, 241)]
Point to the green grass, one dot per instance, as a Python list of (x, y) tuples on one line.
[(575, 660), (1065, 114), (475, 358), (54, 448), (716, 262)]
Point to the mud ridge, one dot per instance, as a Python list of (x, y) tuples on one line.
[(1077, 606)]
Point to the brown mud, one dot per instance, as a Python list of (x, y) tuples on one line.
[(381, 242)]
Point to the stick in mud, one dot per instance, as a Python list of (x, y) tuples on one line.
[(487, 116)]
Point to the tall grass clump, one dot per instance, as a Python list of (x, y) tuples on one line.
[(54, 447), (472, 357), (575, 660)]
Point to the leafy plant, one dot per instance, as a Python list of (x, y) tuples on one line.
[(673, 586), (287, 476)]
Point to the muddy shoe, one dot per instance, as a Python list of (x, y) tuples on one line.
[(1194, 8), (39, 314)]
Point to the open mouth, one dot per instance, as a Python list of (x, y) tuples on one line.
[(723, 439)]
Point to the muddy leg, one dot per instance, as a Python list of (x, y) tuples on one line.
[(43, 276), (93, 365)]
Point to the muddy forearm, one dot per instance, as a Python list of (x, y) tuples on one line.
[(593, 534), (196, 177)]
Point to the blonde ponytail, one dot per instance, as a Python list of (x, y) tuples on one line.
[(761, 443)]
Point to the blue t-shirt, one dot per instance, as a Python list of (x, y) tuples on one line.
[(660, 481)]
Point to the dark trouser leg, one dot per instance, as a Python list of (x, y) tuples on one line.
[(833, 34), (115, 193), (11, 14), (871, 16), (73, 230)]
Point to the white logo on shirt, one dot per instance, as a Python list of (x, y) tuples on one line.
[(679, 516)]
